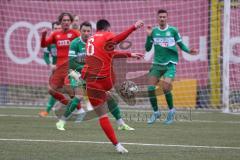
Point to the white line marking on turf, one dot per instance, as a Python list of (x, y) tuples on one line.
[(134, 144)]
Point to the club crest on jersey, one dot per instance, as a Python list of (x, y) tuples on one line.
[(168, 34), (69, 35)]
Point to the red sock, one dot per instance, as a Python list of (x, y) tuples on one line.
[(60, 97), (79, 106), (107, 128)]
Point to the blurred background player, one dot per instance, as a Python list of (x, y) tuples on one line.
[(98, 72), (77, 55), (76, 23), (164, 38), (62, 41), (50, 58)]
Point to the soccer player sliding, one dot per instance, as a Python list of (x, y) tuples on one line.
[(98, 72)]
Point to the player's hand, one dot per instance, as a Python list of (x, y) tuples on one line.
[(193, 51), (44, 32), (149, 30), (53, 67), (137, 55), (139, 24)]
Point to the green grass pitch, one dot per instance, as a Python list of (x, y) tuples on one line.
[(208, 135)]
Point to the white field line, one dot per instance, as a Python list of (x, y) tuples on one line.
[(133, 119), (134, 144)]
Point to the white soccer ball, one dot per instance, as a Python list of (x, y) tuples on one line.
[(128, 89)]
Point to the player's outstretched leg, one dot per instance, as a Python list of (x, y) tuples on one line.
[(98, 101), (153, 100), (115, 111), (108, 129), (50, 104), (60, 97), (70, 108)]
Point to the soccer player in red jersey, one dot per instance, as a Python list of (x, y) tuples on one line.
[(98, 71), (62, 41)]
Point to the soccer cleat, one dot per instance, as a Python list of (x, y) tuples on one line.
[(121, 149), (170, 116), (80, 117), (154, 117), (60, 125), (125, 127), (43, 114)]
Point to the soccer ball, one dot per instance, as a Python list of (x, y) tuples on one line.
[(127, 90)]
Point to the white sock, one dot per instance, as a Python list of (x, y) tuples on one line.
[(171, 110), (120, 122), (89, 106), (81, 110), (63, 119)]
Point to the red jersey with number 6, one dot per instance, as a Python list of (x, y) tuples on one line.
[(100, 53)]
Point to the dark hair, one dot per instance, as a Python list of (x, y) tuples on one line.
[(55, 23), (85, 23), (103, 24), (162, 11), (60, 17), (75, 16)]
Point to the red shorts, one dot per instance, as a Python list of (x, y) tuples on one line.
[(59, 77), (96, 90)]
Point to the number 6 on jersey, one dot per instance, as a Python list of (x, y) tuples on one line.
[(90, 47)]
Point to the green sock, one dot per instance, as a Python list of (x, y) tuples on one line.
[(114, 109), (71, 106), (50, 104), (152, 97), (169, 99)]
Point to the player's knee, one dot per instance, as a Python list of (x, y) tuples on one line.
[(167, 87), (151, 88), (101, 109)]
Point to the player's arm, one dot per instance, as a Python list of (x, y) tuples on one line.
[(122, 36), (46, 56), (122, 54), (180, 43), (54, 60), (149, 40), (73, 59), (46, 41)]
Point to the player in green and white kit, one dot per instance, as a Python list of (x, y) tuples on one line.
[(50, 58), (164, 38), (77, 54)]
